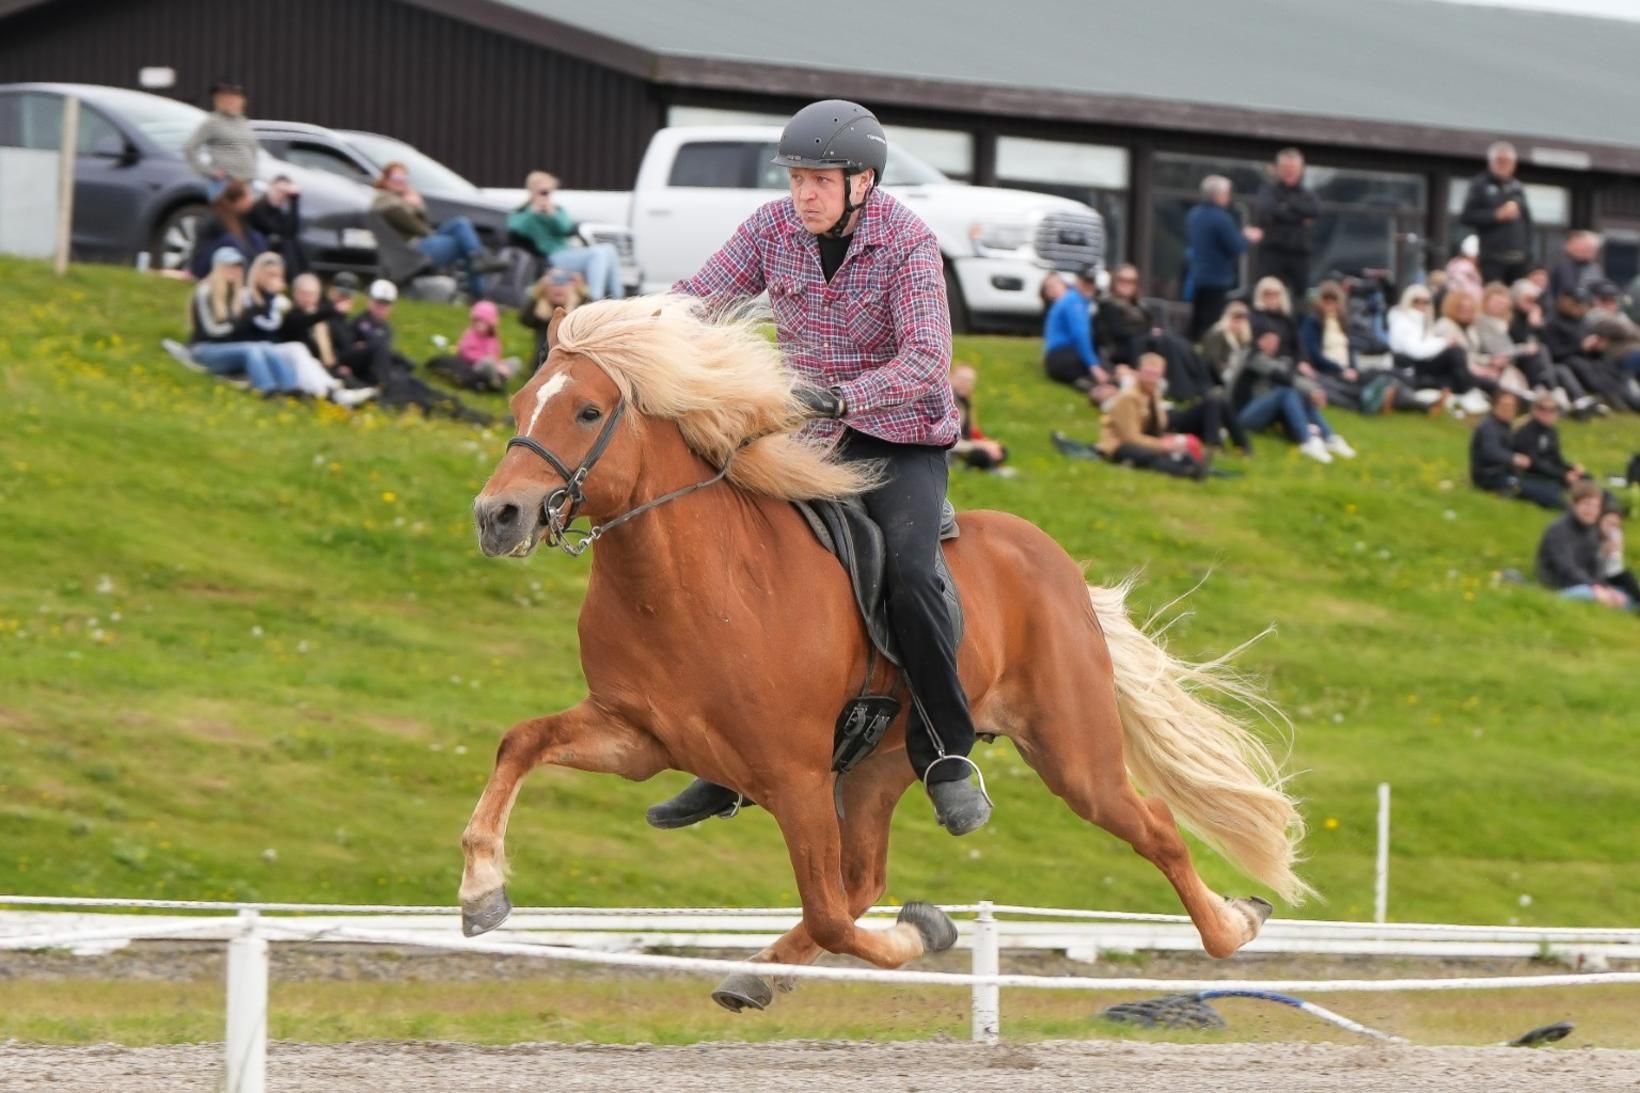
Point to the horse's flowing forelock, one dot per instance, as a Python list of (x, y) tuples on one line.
[(721, 380)]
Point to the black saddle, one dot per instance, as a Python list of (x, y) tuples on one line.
[(844, 529)]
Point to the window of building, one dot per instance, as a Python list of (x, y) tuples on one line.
[(1369, 219), (1094, 174)]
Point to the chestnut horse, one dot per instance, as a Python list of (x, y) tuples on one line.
[(702, 589)]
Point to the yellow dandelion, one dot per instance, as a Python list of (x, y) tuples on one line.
[(389, 496), (1331, 823)]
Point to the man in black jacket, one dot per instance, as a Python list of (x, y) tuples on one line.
[(1568, 557), (1495, 465), (1496, 208), (1286, 211), (1547, 473)]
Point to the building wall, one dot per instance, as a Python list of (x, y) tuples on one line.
[(490, 106)]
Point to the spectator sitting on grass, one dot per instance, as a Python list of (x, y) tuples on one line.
[(550, 232), (223, 148), (228, 226), (1547, 472), (1495, 465), (1134, 430), (1569, 555), (1425, 359), (478, 364), (1068, 355), (218, 344), (1122, 320), (313, 323), (371, 353), (1268, 387), (556, 288), (264, 317), (278, 216), (973, 447), (1570, 342), (1614, 570), (1478, 380), (1619, 335)]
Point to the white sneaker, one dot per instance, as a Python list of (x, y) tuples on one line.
[(350, 397), (1474, 401), (1426, 396), (1563, 401), (183, 357), (1340, 447), (1316, 449)]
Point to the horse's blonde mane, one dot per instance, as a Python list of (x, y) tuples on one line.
[(721, 380)]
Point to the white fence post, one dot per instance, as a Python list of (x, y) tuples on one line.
[(987, 997), (247, 1008), (65, 183), (1380, 898)]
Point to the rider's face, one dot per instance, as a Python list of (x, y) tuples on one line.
[(818, 196)]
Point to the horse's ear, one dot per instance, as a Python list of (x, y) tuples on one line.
[(558, 314)]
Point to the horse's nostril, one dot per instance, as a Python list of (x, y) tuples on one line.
[(507, 515)]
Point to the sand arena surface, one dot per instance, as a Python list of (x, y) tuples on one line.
[(829, 1067)]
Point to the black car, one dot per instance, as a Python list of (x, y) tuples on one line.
[(360, 157), (134, 192)]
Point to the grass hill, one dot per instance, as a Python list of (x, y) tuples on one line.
[(250, 650)]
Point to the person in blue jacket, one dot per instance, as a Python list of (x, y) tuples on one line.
[(1215, 241), (1068, 355)]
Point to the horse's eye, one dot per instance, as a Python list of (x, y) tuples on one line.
[(590, 414)]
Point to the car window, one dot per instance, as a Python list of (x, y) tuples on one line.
[(712, 164), (426, 174), (11, 121), (96, 129), (39, 122), (320, 158)]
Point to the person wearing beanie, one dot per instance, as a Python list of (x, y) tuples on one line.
[(478, 363)]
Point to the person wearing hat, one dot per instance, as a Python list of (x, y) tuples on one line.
[(478, 364), (223, 148), (857, 286), (217, 344), (1619, 335)]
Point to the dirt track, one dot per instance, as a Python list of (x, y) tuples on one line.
[(828, 1067)]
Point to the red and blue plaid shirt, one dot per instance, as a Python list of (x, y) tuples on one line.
[(879, 331)]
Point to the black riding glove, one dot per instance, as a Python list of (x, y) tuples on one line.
[(820, 402)]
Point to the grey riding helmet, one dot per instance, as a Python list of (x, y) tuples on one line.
[(835, 134)]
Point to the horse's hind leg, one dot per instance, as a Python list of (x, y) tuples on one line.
[(1074, 741), (870, 793), (582, 737)]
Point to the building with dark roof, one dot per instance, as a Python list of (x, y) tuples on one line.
[(1126, 107)]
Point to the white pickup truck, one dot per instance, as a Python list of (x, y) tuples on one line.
[(697, 183)]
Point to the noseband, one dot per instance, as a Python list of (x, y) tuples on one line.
[(563, 504)]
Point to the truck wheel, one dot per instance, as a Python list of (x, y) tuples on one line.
[(173, 241), (954, 300)]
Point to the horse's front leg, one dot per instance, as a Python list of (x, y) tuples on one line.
[(584, 737)]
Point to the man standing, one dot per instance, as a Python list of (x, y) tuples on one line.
[(223, 148), (1215, 241), (1286, 212), (857, 288), (1496, 208)]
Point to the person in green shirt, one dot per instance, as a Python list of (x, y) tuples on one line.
[(549, 229)]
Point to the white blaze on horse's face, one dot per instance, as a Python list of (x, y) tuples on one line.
[(543, 395)]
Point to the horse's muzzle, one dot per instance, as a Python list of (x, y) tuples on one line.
[(508, 525)]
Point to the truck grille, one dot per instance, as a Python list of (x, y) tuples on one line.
[(1071, 240), (619, 238)]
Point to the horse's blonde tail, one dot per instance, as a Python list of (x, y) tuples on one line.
[(1219, 779)]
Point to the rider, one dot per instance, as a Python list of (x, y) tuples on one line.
[(857, 288)]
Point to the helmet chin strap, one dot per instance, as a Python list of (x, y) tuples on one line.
[(837, 230)]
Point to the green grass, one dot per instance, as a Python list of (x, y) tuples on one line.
[(664, 1010), (249, 650)]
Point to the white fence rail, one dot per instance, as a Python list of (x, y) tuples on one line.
[(609, 936)]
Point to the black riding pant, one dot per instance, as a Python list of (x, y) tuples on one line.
[(907, 507)]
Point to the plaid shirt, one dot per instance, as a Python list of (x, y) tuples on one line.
[(879, 331)]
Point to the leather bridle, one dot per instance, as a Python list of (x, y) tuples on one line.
[(563, 504)]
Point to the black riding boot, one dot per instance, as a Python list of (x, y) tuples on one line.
[(700, 800)]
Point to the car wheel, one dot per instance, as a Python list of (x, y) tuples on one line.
[(954, 301), (177, 235)]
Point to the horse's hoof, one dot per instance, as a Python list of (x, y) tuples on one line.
[(938, 932), (1255, 911), (485, 913), (743, 991)]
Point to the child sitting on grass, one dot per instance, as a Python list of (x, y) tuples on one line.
[(478, 364)]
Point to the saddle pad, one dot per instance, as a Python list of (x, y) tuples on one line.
[(845, 530)]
